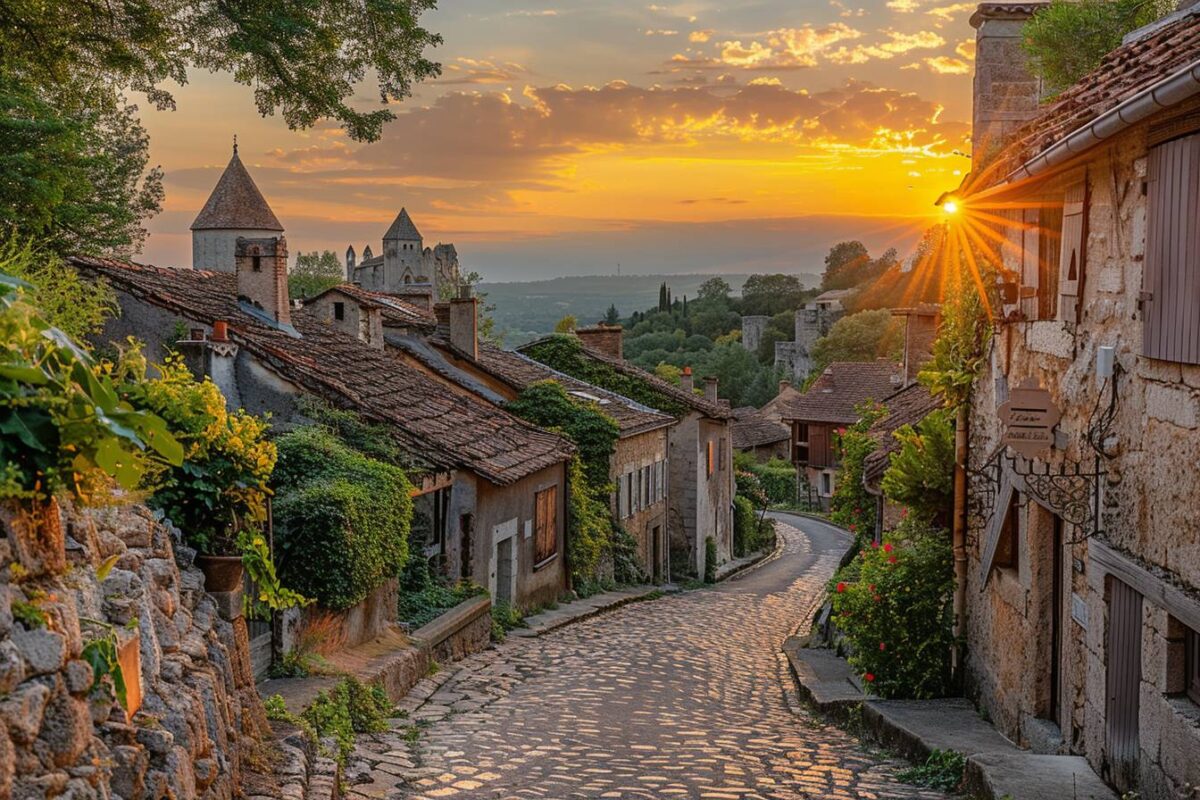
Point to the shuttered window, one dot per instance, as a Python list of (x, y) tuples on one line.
[(1073, 253), (545, 523), (1040, 262), (709, 463), (1170, 298)]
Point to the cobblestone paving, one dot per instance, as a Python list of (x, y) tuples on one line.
[(687, 696)]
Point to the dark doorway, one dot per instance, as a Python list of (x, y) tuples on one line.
[(656, 546), (1056, 624)]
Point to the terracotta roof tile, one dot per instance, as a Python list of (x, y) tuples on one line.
[(834, 396), (906, 407), (754, 429), (396, 311), (236, 203), (443, 429)]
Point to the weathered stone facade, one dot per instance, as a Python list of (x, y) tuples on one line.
[(200, 721), (812, 322), (640, 503)]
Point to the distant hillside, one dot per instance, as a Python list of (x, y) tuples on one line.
[(527, 310)]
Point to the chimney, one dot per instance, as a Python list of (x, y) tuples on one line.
[(1006, 93), (710, 389), (603, 339), (920, 331), (262, 276), (784, 385), (464, 325), (685, 379), (442, 312)]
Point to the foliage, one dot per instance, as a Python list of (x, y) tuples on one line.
[(348, 708), (272, 594), (372, 439), (714, 290), (547, 405), (101, 654), (920, 475), (485, 311), (1069, 38), (778, 480), (852, 506), (864, 336), (565, 354), (220, 488), (313, 273), (29, 614), (76, 306), (74, 160), (590, 530), (893, 605), (319, 635), (751, 532), (344, 518), (960, 348), (567, 324), (65, 427), (505, 618), (304, 60), (426, 605), (772, 294), (623, 549), (710, 560), (612, 316), (942, 770)]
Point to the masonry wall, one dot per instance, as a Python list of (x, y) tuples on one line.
[(1148, 517), (213, 250), (631, 454)]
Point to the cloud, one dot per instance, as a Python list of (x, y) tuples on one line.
[(897, 44), (947, 65), (904, 6), (782, 49), (545, 12), (700, 36), (948, 13), (660, 32), (470, 71), (966, 49)]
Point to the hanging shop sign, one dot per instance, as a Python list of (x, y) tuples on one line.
[(1029, 416)]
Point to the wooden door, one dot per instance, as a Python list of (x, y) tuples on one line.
[(1124, 675), (1056, 625)]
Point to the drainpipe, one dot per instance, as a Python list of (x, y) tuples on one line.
[(960, 536)]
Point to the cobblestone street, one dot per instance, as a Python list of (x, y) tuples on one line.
[(686, 696)]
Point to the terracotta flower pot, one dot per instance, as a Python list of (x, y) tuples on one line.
[(221, 573)]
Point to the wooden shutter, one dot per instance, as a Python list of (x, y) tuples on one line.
[(709, 451), (1123, 683), (546, 523), (1033, 239), (818, 446), (1170, 296), (1074, 251)]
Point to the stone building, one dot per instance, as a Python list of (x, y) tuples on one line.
[(699, 483), (753, 328), (1083, 574), (812, 322), (235, 209), (406, 266)]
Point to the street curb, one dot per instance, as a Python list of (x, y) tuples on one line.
[(761, 561), (650, 594)]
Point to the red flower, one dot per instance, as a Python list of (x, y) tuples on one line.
[(841, 587), (878, 598), (887, 548), (891, 559), (858, 511), (869, 677), (903, 513), (872, 587), (882, 647), (853, 527), (874, 545)]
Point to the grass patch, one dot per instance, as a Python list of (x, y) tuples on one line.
[(505, 618), (942, 770)]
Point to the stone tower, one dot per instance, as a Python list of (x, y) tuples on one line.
[(753, 328), (350, 263), (403, 253), (1006, 93), (236, 208)]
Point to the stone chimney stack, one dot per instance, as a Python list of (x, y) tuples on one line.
[(464, 325), (784, 385), (603, 339), (920, 331), (710, 389), (1006, 93), (685, 379), (262, 276)]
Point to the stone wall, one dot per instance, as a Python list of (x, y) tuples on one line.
[(200, 722)]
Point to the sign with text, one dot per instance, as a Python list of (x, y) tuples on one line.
[(1029, 417)]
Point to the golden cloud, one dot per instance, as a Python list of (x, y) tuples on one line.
[(701, 36), (966, 49), (947, 65), (897, 44), (948, 13), (466, 71), (783, 49)]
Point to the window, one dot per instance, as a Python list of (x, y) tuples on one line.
[(1072, 255), (801, 454), (1008, 546), (545, 524), (721, 452), (256, 263), (1191, 660), (709, 460), (1170, 314), (339, 311), (827, 483)]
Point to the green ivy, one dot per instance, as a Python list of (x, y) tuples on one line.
[(565, 353), (920, 475), (852, 506), (547, 405), (344, 518)]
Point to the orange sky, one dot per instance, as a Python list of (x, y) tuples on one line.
[(566, 139)]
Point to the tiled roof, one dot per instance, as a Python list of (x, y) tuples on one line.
[(834, 396), (402, 227), (441, 428), (1123, 73), (667, 389), (908, 406), (754, 429), (519, 371), (236, 203), (395, 311)]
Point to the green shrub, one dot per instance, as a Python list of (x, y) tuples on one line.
[(710, 560), (778, 479), (426, 605), (745, 526), (942, 770), (344, 518), (505, 618), (920, 474), (348, 708), (852, 506), (893, 606), (627, 567), (547, 405)]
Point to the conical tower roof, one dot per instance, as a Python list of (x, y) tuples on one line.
[(236, 203), (402, 228)]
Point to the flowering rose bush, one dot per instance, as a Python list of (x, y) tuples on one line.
[(892, 605), (852, 506)]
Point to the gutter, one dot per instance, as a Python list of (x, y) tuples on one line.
[(1168, 92)]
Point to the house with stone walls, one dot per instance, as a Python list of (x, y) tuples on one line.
[(699, 484), (454, 354), (812, 322), (406, 266), (830, 404), (1083, 574), (762, 431)]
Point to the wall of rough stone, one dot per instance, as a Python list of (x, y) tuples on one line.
[(200, 723)]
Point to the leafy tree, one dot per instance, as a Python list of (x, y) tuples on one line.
[(487, 323), (669, 373), (612, 316), (735, 369), (76, 306), (713, 290), (920, 474), (313, 273), (567, 324), (781, 328), (74, 166), (303, 59), (844, 259), (772, 294), (851, 504), (1069, 38), (864, 336)]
